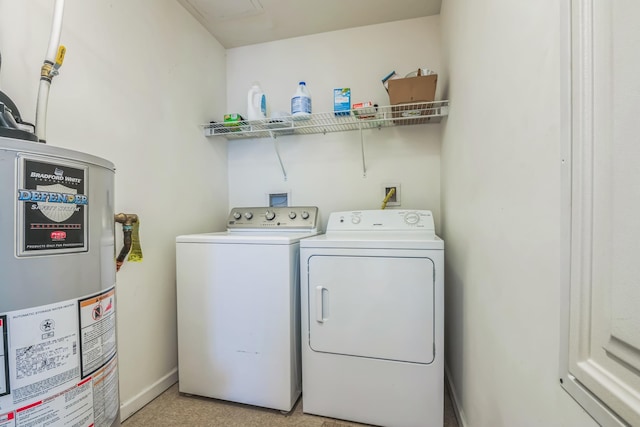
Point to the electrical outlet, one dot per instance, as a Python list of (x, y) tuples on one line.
[(394, 200)]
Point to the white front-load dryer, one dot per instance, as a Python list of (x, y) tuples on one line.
[(372, 302), (238, 303)]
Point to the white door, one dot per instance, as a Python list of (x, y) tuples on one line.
[(604, 196), (372, 306)]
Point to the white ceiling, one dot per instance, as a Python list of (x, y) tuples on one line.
[(237, 23)]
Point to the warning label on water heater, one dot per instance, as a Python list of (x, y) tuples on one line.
[(44, 348), (52, 207), (97, 331)]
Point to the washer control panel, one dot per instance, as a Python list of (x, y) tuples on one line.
[(381, 220), (292, 218)]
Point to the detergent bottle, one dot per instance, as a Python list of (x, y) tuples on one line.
[(301, 103), (256, 103)]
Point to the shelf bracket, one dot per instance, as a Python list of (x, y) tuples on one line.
[(364, 163), (277, 148)]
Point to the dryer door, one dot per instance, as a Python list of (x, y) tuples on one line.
[(372, 306)]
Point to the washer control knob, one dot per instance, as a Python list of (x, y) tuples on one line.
[(248, 215), (237, 215), (270, 215), (412, 218), (292, 215), (305, 215), (356, 219)]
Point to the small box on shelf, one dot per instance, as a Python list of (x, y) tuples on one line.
[(341, 101), (365, 110), (233, 122)]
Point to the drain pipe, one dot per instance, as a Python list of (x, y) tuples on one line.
[(52, 62)]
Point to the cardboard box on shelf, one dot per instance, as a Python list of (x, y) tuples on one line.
[(412, 90)]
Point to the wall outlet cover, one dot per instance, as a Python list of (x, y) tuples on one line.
[(395, 199), (278, 198)]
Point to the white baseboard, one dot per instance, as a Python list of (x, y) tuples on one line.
[(136, 403), (455, 401)]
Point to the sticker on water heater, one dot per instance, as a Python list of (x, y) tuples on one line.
[(52, 206), (97, 331), (42, 345), (105, 386), (43, 351)]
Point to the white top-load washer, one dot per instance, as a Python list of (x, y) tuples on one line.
[(373, 319), (239, 307)]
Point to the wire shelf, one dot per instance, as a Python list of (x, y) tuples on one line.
[(358, 119)]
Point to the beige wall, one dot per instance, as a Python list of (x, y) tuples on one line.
[(326, 170), (501, 187), (138, 80)]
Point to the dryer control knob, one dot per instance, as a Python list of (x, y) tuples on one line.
[(356, 219), (305, 215), (270, 215), (412, 218), (237, 215), (292, 215), (248, 215)]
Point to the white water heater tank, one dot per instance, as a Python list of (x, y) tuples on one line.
[(58, 353)]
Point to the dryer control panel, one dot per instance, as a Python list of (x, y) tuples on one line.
[(291, 218), (381, 220)]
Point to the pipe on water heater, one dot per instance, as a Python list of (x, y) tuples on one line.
[(52, 61)]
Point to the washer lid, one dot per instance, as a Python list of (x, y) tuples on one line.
[(237, 237)]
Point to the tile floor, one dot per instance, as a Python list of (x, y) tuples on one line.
[(174, 409)]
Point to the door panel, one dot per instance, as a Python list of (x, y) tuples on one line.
[(604, 332), (625, 185), (371, 306)]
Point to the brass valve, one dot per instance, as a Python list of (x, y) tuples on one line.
[(131, 245), (125, 219)]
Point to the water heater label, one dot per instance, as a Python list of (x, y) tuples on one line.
[(44, 385), (98, 331), (52, 206)]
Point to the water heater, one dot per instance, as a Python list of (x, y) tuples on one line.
[(58, 353)]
